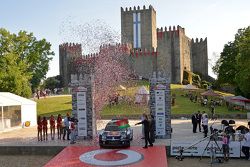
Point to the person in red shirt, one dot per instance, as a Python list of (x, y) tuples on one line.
[(39, 129), (45, 128), (59, 126), (52, 127)]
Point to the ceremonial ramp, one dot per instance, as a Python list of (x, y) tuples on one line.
[(92, 156)]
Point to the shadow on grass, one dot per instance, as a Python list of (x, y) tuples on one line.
[(70, 102)]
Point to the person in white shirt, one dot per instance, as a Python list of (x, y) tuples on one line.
[(205, 124), (246, 144), (202, 118)]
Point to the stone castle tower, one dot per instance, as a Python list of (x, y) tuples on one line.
[(168, 50), (171, 50), (67, 51)]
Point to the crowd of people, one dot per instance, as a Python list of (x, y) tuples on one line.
[(65, 128)]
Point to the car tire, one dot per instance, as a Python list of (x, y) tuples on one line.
[(101, 146)]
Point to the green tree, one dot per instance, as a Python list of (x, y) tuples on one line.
[(53, 82), (23, 59), (243, 61), (225, 66), (233, 66)]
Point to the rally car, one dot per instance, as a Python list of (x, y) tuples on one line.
[(117, 133)]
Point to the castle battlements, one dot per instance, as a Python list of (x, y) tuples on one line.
[(117, 48), (199, 41), (91, 55), (71, 48), (144, 52), (165, 33), (137, 9)]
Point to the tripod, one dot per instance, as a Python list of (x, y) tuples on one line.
[(182, 149), (212, 149)]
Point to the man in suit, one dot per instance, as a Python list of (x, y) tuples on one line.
[(194, 122), (145, 122), (152, 129), (198, 118)]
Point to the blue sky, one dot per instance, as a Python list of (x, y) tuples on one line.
[(218, 20)]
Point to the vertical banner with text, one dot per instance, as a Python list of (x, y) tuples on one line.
[(160, 112), (80, 110)]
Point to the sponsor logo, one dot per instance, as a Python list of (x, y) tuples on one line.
[(109, 157)]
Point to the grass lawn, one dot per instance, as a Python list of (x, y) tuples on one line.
[(62, 104), (124, 109), (184, 106), (54, 105)]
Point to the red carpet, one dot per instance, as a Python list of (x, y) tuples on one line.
[(80, 156)]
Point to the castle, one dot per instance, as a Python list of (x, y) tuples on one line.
[(168, 50)]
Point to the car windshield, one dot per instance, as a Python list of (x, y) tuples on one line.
[(111, 127)]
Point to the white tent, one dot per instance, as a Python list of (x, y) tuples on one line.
[(16, 110), (142, 95)]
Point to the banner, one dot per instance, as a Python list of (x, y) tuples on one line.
[(199, 149), (81, 113), (160, 112)]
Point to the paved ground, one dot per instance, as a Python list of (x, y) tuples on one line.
[(205, 162), (24, 161), (182, 131)]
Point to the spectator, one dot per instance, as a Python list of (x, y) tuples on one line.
[(45, 128), (194, 122), (198, 118), (212, 111), (59, 126), (246, 144), (39, 128), (205, 125), (66, 127), (52, 127), (73, 125)]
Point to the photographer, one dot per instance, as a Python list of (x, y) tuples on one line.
[(246, 144), (225, 146), (72, 127)]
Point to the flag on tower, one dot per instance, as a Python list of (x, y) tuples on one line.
[(137, 29)]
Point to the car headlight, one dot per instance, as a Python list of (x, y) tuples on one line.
[(104, 136), (123, 135)]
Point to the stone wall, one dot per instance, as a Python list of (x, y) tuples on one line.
[(155, 81), (66, 52), (85, 81), (169, 45), (148, 26), (199, 56), (185, 53), (143, 62)]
